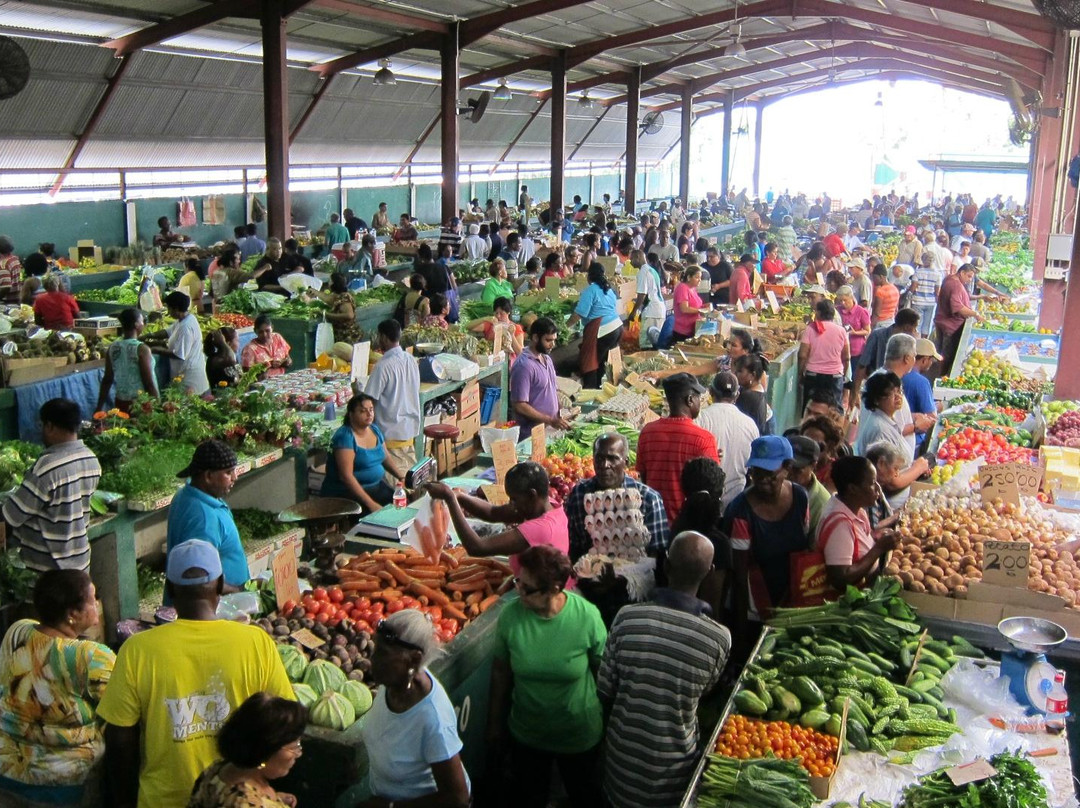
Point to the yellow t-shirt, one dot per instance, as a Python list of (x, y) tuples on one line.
[(188, 284), (180, 682)]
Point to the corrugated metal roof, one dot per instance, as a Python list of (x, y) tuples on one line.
[(38, 152)]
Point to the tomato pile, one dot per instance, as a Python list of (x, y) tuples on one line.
[(331, 606), (746, 738), (565, 470), (970, 443), (235, 320)]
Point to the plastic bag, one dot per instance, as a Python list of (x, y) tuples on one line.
[(324, 338), (187, 217), (267, 301)]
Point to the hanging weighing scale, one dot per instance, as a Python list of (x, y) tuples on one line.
[(1030, 675)]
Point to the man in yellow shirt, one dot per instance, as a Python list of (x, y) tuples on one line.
[(174, 686)]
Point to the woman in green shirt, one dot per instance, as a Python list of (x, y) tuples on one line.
[(497, 285), (543, 683)]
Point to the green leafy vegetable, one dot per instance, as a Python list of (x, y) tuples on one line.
[(759, 783), (1017, 784)]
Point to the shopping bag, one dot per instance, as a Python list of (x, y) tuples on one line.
[(187, 217), (213, 209), (324, 338), (809, 586)]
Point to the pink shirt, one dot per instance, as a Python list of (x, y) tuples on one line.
[(843, 537), (684, 323), (858, 318), (826, 348), (551, 529), (740, 285)]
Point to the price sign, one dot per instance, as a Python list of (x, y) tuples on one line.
[(495, 494), (615, 361), (307, 639), (361, 357), (725, 327), (739, 306), (1000, 481), (1005, 563), (504, 455), (971, 772), (774, 304), (286, 583), (538, 438)]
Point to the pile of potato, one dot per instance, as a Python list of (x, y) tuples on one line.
[(942, 545)]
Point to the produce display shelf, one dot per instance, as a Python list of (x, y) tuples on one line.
[(1031, 347)]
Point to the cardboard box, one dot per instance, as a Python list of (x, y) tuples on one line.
[(469, 426), (468, 399), (465, 451)]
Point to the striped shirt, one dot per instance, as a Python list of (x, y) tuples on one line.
[(663, 449), (929, 280), (660, 660), (50, 510)]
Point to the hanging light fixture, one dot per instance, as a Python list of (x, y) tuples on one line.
[(502, 92), (384, 77), (879, 102), (584, 102), (736, 48)]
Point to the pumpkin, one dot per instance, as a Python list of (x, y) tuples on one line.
[(333, 711), (322, 676)]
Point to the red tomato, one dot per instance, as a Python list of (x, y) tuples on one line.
[(311, 615), (308, 603), (319, 593), (322, 617), (394, 606), (288, 606), (378, 606), (362, 625), (435, 612), (409, 601), (328, 608), (336, 595), (364, 602), (444, 636)]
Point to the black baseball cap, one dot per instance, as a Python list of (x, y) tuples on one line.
[(804, 451), (724, 384), (681, 384), (210, 455)]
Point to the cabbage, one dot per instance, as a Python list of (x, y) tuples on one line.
[(333, 711), (322, 676), (294, 661), (358, 694), (304, 694)]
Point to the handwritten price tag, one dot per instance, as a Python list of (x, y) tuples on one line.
[(495, 494), (615, 362), (504, 455), (774, 304), (999, 482), (538, 438), (286, 582), (1005, 563), (307, 639), (971, 772)]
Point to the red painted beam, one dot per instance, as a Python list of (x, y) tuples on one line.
[(1033, 27), (633, 114), (315, 99), (417, 146), (558, 131), (275, 118), (383, 14), (425, 40), (91, 123), (182, 24), (514, 140), (483, 76), (592, 129), (450, 62), (479, 27), (685, 122)]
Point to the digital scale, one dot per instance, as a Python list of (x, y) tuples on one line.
[(1030, 675), (423, 472)]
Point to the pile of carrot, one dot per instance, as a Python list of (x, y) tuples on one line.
[(464, 587)]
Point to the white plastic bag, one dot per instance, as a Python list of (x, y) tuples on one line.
[(324, 338)]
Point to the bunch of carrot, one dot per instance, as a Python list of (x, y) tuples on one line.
[(464, 587)]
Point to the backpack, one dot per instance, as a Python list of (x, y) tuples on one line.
[(399, 310)]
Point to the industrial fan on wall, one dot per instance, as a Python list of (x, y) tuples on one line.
[(14, 67), (475, 107), (1026, 110), (652, 123)]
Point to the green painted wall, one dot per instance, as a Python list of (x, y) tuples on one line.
[(63, 224)]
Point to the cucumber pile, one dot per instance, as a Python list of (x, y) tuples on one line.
[(807, 673)]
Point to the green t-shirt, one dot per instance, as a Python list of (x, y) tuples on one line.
[(554, 706), (819, 498), (496, 288)]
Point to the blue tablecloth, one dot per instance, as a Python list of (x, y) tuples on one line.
[(81, 388)]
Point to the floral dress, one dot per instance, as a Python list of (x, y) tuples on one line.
[(345, 331), (211, 791), (49, 691)]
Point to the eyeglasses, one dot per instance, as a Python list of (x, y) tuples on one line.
[(528, 590), (386, 633)]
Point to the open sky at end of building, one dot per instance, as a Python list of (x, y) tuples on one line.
[(833, 139)]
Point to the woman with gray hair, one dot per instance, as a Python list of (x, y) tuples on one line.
[(413, 748)]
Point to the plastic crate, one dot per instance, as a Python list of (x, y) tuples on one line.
[(487, 403)]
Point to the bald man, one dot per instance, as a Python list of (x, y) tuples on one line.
[(666, 654)]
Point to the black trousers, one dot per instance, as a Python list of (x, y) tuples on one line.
[(594, 378), (532, 777)]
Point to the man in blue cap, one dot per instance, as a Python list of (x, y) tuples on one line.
[(173, 686)]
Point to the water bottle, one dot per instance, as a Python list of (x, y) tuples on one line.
[(515, 314), (400, 499), (1057, 703)]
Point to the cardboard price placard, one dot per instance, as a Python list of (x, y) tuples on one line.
[(361, 357), (1005, 563), (615, 362), (307, 639), (495, 494), (538, 438), (504, 455), (1000, 482), (551, 287), (286, 583), (971, 772), (774, 304)]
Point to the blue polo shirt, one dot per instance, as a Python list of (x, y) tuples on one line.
[(920, 397), (195, 514)]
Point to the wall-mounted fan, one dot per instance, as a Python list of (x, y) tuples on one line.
[(475, 107), (652, 123), (14, 67)]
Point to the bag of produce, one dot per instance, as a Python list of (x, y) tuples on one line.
[(333, 711)]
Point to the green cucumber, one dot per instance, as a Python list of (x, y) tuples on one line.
[(814, 719), (748, 703), (866, 666), (807, 690)]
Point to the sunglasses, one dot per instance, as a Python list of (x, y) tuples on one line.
[(387, 634)]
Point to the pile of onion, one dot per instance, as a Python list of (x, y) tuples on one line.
[(942, 545)]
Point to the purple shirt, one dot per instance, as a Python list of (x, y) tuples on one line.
[(858, 318), (532, 380)]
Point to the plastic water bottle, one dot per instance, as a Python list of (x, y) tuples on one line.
[(1057, 703), (400, 499)]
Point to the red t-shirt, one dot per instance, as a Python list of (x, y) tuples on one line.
[(773, 268), (664, 447), (951, 299), (834, 245), (56, 309), (740, 284)]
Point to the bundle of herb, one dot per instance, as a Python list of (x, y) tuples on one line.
[(759, 783), (1017, 784), (255, 525)]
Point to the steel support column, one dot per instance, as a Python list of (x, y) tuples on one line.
[(729, 113), (1067, 383), (758, 118), (276, 119), (687, 120), (449, 120), (633, 113), (558, 130)]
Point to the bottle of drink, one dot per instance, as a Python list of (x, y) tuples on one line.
[(400, 499), (1057, 703)]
